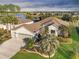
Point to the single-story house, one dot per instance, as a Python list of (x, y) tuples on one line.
[(29, 30), (22, 21), (25, 30)]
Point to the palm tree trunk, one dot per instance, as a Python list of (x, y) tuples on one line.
[(10, 27), (7, 26), (13, 25)]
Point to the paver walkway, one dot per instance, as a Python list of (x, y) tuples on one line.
[(10, 48)]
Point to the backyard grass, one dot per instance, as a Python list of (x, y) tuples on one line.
[(65, 51)]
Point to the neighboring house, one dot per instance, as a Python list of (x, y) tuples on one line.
[(29, 30), (21, 21), (25, 21)]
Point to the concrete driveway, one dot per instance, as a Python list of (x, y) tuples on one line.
[(10, 48)]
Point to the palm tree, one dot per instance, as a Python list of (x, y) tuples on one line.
[(17, 8), (5, 21), (13, 8), (14, 21), (49, 45), (9, 21), (1, 6), (9, 7), (5, 7)]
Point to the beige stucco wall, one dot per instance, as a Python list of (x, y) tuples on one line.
[(51, 27)]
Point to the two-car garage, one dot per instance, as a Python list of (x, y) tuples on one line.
[(21, 33)]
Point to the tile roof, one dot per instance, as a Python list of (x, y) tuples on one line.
[(36, 26), (31, 27), (55, 21)]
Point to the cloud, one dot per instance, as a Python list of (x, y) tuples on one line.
[(10, 1), (43, 3), (58, 3)]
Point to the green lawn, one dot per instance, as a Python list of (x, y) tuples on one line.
[(74, 34), (60, 54), (63, 52), (26, 55)]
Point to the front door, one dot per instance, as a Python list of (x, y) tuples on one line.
[(53, 32)]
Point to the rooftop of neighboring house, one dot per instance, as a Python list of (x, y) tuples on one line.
[(55, 21), (38, 25), (21, 21)]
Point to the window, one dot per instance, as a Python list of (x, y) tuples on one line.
[(52, 31)]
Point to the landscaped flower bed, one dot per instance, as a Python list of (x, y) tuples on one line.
[(4, 35), (45, 47)]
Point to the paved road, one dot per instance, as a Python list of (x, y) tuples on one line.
[(10, 48)]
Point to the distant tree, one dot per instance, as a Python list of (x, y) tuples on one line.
[(66, 17), (48, 14), (2, 8), (28, 15), (76, 18), (42, 16), (17, 8), (13, 8)]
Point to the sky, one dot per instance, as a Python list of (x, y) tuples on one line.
[(43, 3)]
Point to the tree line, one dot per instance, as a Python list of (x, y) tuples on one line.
[(9, 8)]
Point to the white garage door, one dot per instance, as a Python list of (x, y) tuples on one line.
[(22, 36)]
